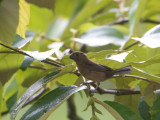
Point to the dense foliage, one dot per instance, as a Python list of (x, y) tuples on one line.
[(35, 42)]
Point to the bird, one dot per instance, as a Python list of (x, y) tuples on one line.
[(95, 71)]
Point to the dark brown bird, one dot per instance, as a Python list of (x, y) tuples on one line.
[(94, 71)]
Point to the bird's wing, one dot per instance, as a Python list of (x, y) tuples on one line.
[(97, 67)]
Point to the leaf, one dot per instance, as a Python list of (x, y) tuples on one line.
[(155, 111), (113, 112), (67, 79), (21, 42), (150, 61), (39, 18), (125, 112), (90, 102), (1, 98), (31, 90), (9, 63), (27, 61), (101, 35), (9, 12), (151, 38), (101, 54), (135, 15), (43, 3), (24, 17), (40, 55), (10, 88), (144, 109), (51, 101), (94, 118), (82, 16)]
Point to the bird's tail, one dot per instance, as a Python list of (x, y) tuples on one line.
[(124, 70)]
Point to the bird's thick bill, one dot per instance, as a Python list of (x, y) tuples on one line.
[(72, 56)]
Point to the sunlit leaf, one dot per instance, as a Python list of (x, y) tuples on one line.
[(51, 102), (40, 18), (9, 12), (24, 16), (67, 79)]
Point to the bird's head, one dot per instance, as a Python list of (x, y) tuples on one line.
[(78, 56)]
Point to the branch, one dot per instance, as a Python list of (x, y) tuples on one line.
[(151, 21), (23, 53), (125, 20), (117, 92), (142, 78)]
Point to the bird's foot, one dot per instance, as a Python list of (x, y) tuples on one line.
[(87, 83)]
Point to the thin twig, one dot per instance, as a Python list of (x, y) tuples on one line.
[(131, 45), (23, 53), (93, 109)]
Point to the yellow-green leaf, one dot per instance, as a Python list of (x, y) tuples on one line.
[(24, 15)]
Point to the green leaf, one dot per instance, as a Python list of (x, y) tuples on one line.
[(10, 88), (113, 112), (27, 78), (82, 16), (144, 109), (94, 118), (90, 102), (50, 102), (1, 98), (101, 54), (27, 61), (43, 3), (151, 37), (24, 17), (20, 42), (125, 112), (39, 18), (31, 91), (101, 35), (135, 15), (9, 63), (67, 79), (155, 111), (9, 12)]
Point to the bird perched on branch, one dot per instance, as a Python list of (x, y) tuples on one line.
[(94, 71)]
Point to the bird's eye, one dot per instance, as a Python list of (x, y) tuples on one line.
[(76, 54)]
